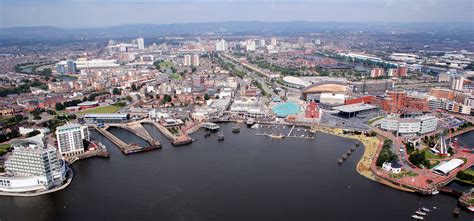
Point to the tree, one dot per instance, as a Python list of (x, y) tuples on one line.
[(36, 117), (193, 69), (134, 87), (206, 97), (59, 106), (158, 97), (128, 98), (167, 98), (33, 133), (198, 98), (116, 91)]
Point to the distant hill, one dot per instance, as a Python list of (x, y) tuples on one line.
[(266, 28)]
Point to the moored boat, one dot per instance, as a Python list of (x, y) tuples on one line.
[(425, 209), (276, 136), (418, 212), (250, 122), (220, 137), (417, 217), (236, 128)]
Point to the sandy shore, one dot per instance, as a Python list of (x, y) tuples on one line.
[(371, 145)]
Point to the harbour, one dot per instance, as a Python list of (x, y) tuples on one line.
[(253, 171)]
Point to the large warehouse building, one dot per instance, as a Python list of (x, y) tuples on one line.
[(326, 92)]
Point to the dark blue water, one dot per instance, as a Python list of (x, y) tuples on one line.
[(128, 137), (244, 177), (467, 139)]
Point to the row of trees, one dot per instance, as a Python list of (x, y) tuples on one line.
[(22, 88)]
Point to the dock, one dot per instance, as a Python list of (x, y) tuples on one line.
[(176, 140), (124, 147)]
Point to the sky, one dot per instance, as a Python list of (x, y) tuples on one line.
[(100, 13)]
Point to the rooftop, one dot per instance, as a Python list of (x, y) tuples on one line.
[(350, 108)]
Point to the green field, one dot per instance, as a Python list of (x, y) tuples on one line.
[(4, 148), (175, 77), (165, 64), (430, 155), (101, 110)]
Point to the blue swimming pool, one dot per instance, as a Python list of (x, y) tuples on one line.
[(287, 108)]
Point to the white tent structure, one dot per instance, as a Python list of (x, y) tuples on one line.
[(446, 167)]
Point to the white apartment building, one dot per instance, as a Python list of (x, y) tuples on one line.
[(187, 60), (410, 126), (70, 139), (195, 60), (32, 167)]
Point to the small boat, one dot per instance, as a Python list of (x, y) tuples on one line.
[(340, 161), (435, 208), (425, 209), (220, 137), (418, 212), (276, 136), (250, 122), (236, 128), (256, 126), (456, 211), (417, 217), (434, 193)]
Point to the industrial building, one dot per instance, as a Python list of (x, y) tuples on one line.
[(352, 110), (106, 118)]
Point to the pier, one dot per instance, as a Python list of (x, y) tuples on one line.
[(177, 140)]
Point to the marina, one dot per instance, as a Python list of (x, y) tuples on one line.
[(170, 181)]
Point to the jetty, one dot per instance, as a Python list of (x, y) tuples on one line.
[(176, 139)]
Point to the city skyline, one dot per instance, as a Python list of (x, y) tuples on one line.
[(71, 13)]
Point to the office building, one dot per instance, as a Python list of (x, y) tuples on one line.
[(141, 43), (195, 60), (410, 126), (71, 67), (32, 167), (187, 60), (70, 139), (221, 45), (250, 45), (273, 41)]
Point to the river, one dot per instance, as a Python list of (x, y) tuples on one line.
[(244, 177)]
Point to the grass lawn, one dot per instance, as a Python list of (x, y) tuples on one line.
[(101, 110), (373, 120), (4, 148), (165, 64), (469, 171), (175, 76), (430, 155)]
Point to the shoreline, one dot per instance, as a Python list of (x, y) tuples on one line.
[(371, 145)]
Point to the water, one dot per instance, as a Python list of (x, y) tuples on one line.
[(128, 137), (467, 139), (245, 177)]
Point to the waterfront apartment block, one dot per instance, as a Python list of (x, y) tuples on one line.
[(32, 167), (70, 139)]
